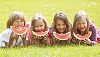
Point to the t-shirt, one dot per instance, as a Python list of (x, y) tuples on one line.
[(5, 36)]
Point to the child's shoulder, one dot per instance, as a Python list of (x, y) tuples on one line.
[(7, 31), (51, 28), (51, 25), (92, 27)]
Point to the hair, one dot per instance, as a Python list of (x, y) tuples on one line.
[(15, 16), (79, 16), (61, 16), (38, 16)]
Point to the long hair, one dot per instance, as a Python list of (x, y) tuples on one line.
[(35, 18), (15, 16), (63, 17), (79, 16)]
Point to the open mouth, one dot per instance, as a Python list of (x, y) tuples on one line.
[(82, 29), (40, 30), (61, 30), (19, 27)]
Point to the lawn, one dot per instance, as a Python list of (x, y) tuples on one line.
[(48, 8)]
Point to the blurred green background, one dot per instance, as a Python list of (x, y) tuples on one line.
[(48, 8)]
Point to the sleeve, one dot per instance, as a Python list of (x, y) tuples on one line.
[(98, 35), (5, 35), (50, 34), (93, 36), (29, 34), (27, 25)]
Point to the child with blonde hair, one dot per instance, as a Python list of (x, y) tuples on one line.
[(61, 25), (82, 25), (8, 37), (38, 24)]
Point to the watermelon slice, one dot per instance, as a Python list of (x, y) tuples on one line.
[(40, 33), (19, 31), (80, 37), (62, 36)]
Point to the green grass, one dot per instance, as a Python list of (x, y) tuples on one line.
[(52, 51), (48, 8)]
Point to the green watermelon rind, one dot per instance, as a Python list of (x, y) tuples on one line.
[(82, 36), (64, 38)]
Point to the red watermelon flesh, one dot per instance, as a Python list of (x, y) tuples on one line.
[(80, 37), (19, 31), (62, 36), (40, 33)]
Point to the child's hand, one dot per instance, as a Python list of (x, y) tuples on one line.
[(23, 36), (87, 41), (13, 35), (45, 38)]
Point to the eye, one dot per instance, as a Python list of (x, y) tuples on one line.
[(83, 22), (63, 24), (58, 24), (16, 20), (21, 21), (79, 23), (41, 25), (36, 26)]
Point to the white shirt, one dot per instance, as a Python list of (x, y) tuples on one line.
[(5, 36)]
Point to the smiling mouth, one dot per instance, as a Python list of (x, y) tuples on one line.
[(82, 28), (40, 30), (61, 29), (18, 27)]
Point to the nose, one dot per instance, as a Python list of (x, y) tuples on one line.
[(19, 23), (61, 26), (81, 25), (39, 28)]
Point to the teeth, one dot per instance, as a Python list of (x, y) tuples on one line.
[(82, 28), (19, 27)]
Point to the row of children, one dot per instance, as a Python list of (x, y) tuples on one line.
[(81, 25)]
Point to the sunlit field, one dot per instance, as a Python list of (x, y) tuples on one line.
[(48, 8)]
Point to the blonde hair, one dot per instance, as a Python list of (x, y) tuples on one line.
[(36, 17), (78, 16), (63, 17), (15, 16), (81, 13)]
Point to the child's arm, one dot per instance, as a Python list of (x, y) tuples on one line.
[(93, 36), (5, 36)]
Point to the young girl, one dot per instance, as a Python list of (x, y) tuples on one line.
[(8, 37), (82, 25), (61, 25), (38, 24)]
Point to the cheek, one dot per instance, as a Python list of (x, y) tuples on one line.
[(35, 29), (78, 26), (22, 23), (85, 25), (57, 27), (14, 24), (65, 26), (43, 28)]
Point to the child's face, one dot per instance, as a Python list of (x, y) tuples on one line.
[(18, 23), (39, 26), (82, 25), (60, 26)]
